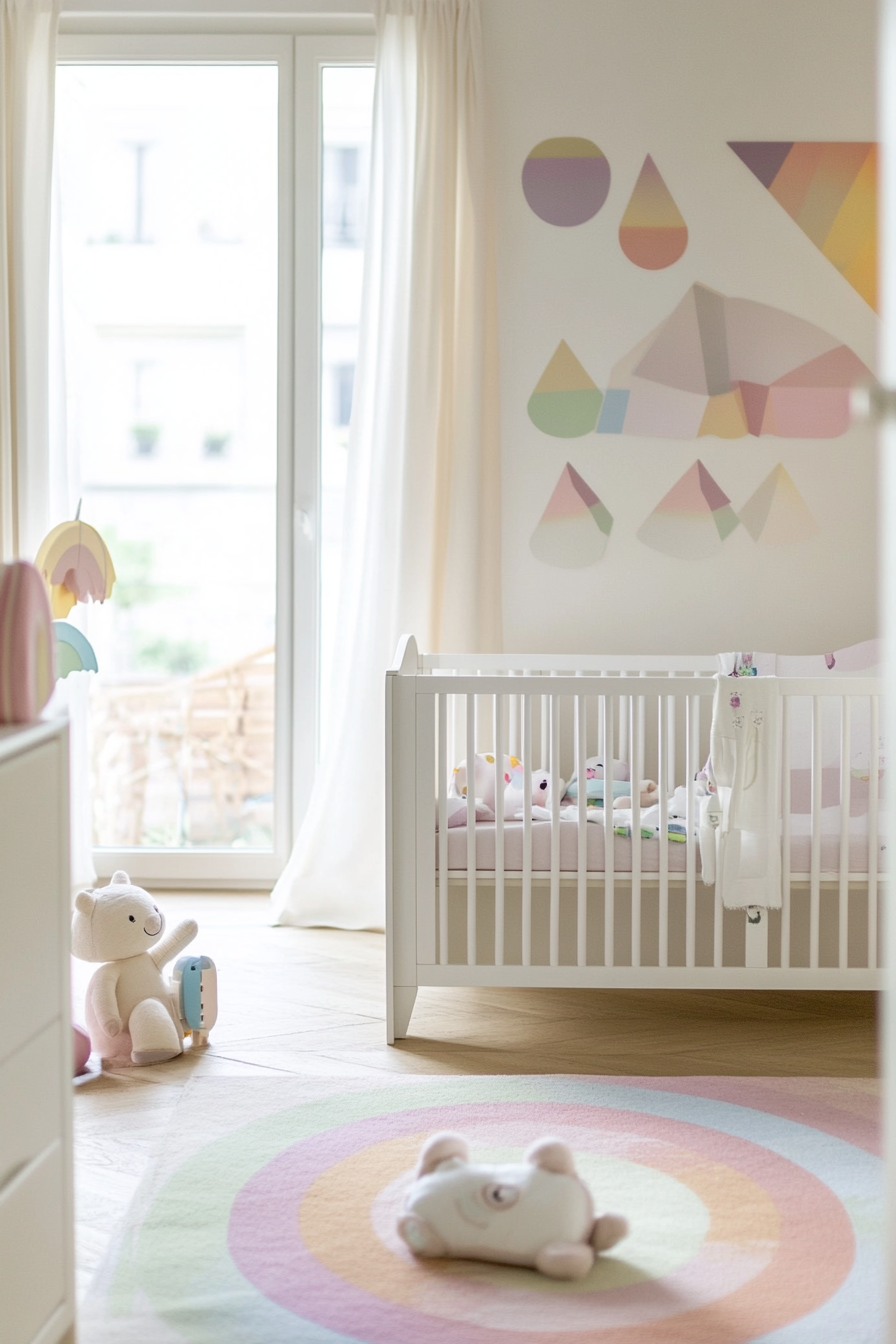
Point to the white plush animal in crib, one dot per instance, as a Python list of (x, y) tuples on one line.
[(484, 787), (536, 1212), (484, 781)]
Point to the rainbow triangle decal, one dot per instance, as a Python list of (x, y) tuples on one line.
[(575, 527), (828, 188), (692, 520), (776, 514)]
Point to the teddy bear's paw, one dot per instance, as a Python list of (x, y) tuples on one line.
[(157, 1056), (421, 1236), (565, 1259), (609, 1229)]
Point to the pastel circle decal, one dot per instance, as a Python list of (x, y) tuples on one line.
[(566, 180), (743, 1224)]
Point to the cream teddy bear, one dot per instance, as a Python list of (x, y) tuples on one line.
[(536, 1212), (130, 1013)]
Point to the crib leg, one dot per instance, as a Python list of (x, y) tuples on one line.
[(756, 948), (399, 1012)]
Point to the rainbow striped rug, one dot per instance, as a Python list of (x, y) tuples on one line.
[(755, 1207)]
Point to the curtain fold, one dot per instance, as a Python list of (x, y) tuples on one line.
[(422, 548), (27, 85)]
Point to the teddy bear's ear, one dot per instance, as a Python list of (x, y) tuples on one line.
[(120, 879), (552, 1155), (85, 901), (440, 1148)]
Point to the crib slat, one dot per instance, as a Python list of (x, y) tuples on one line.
[(670, 756), (663, 772), (815, 860), (637, 756), (873, 822), (785, 834), (582, 836), (845, 798), (607, 712), (545, 761), (500, 785), (718, 905), (471, 830), (692, 739), (526, 729), (555, 828), (443, 830)]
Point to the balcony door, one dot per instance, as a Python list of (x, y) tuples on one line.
[(210, 197)]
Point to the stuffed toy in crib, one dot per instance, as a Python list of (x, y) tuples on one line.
[(536, 1212), (484, 790), (132, 1016), (484, 781)]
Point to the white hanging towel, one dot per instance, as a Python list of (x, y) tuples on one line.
[(746, 771)]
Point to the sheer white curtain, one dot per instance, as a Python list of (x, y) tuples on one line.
[(27, 84), (34, 477), (423, 514)]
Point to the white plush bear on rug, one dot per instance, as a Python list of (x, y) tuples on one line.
[(536, 1212), (129, 1010)]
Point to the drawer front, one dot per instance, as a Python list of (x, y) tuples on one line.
[(31, 1101), (32, 1247), (32, 972)]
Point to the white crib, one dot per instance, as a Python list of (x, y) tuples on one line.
[(472, 906)]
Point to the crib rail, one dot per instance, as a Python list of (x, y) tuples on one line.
[(618, 912)]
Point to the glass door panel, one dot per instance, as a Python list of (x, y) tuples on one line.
[(168, 237)]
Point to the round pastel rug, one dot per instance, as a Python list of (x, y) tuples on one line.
[(755, 1212)]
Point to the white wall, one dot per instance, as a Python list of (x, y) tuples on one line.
[(677, 81)]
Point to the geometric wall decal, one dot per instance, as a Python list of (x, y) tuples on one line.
[(575, 527), (692, 520), (730, 367), (566, 401), (829, 188), (652, 234), (566, 180), (776, 514)]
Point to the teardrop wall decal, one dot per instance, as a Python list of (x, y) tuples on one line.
[(566, 402), (653, 233)]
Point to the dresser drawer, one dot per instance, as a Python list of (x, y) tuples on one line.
[(33, 1212), (34, 912), (31, 1101)]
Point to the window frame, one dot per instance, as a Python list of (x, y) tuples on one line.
[(300, 56)]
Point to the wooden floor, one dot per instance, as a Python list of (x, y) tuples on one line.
[(311, 1001)]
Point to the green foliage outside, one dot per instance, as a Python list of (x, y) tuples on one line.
[(178, 657)]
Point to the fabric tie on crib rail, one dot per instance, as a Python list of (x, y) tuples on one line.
[(745, 760), (422, 527)]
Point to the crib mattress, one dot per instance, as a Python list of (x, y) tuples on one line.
[(800, 850)]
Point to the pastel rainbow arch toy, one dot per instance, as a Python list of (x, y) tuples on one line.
[(27, 673), (76, 565), (74, 652)]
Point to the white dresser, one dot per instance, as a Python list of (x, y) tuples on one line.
[(36, 1206)]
